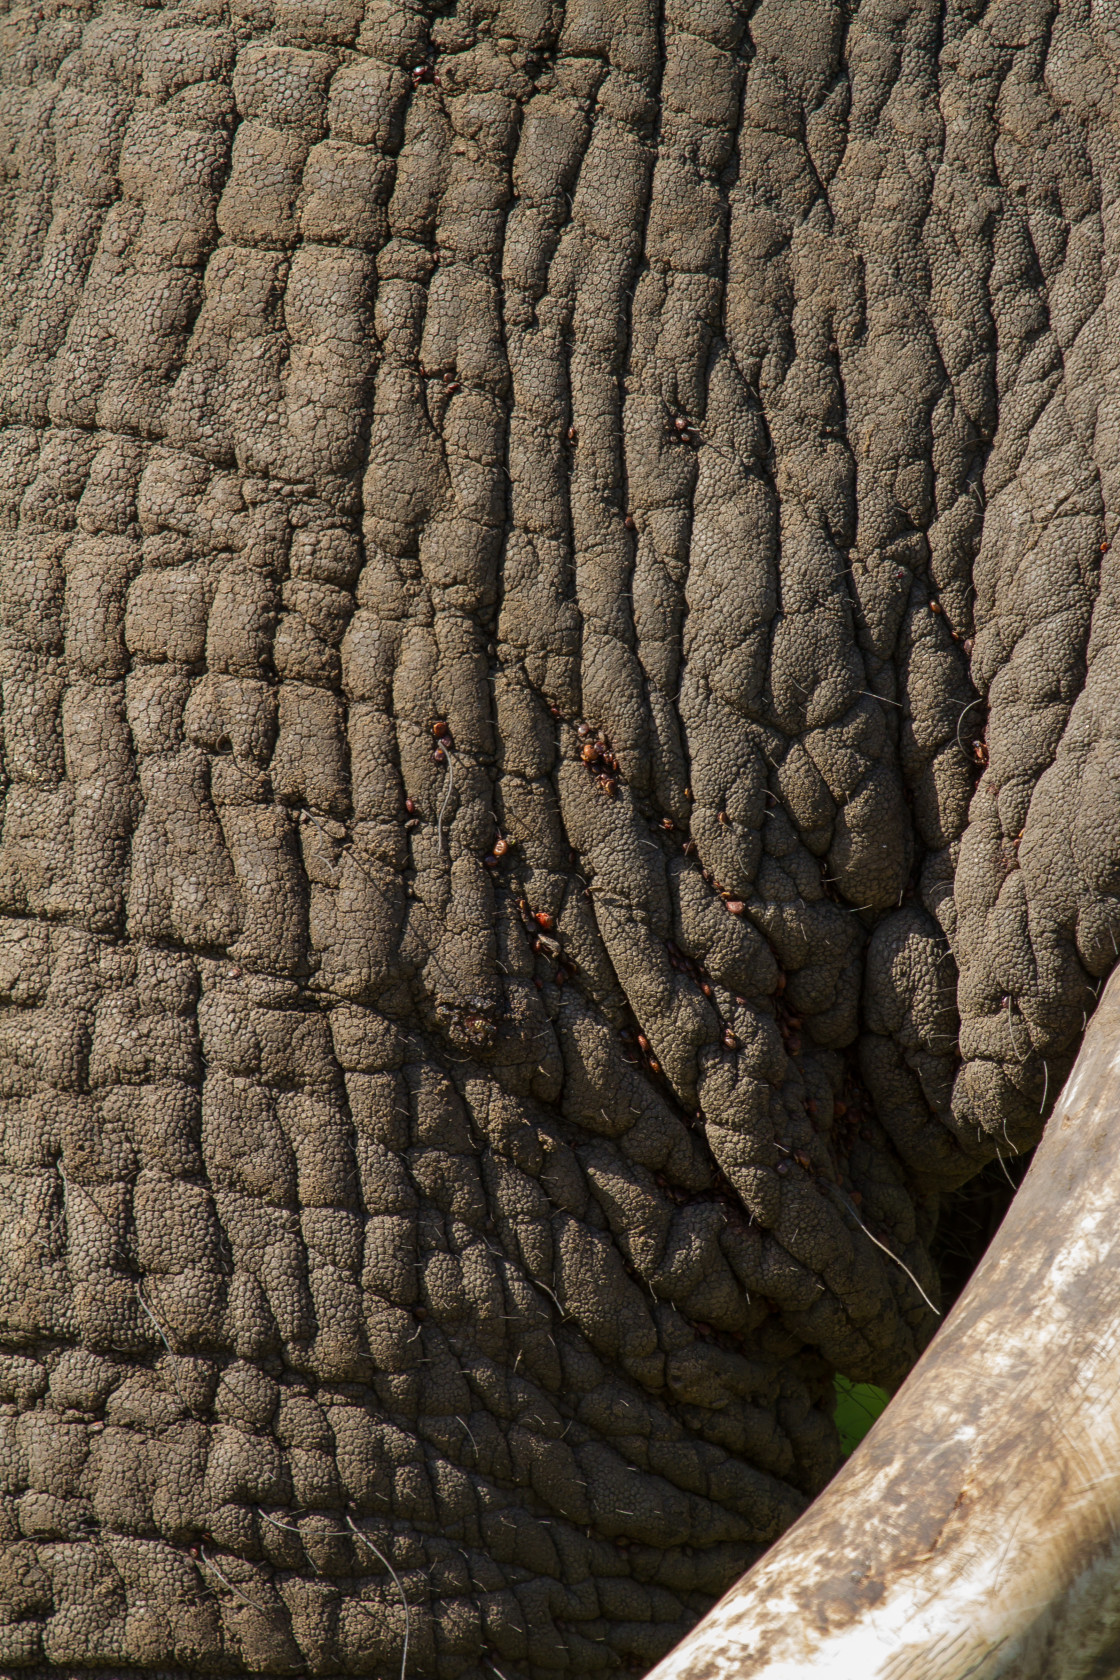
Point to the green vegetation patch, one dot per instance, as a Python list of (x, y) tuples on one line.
[(857, 1407)]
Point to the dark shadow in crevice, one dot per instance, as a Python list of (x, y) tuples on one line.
[(969, 1219)]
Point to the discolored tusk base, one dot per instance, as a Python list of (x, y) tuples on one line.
[(976, 1531)]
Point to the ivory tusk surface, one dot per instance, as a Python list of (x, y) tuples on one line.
[(976, 1530)]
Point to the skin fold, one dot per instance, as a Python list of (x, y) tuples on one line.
[(559, 703), (975, 1531)]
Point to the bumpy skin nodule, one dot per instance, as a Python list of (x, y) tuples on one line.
[(736, 383)]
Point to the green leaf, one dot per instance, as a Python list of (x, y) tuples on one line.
[(857, 1407)]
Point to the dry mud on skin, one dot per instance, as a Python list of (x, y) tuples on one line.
[(737, 385)]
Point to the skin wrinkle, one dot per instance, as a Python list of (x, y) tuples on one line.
[(1021, 1575), (705, 415)]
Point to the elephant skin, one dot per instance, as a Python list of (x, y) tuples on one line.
[(560, 682), (974, 1532)]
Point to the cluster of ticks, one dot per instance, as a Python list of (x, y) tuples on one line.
[(451, 382), (596, 752), (680, 430), (598, 756), (688, 965), (540, 927)]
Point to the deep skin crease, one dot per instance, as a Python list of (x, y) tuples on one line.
[(558, 664), (973, 1536)]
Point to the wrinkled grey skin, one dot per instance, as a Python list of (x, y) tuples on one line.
[(735, 382)]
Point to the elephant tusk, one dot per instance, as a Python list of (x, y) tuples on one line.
[(976, 1531)]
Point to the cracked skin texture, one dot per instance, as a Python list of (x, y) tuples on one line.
[(453, 1156)]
